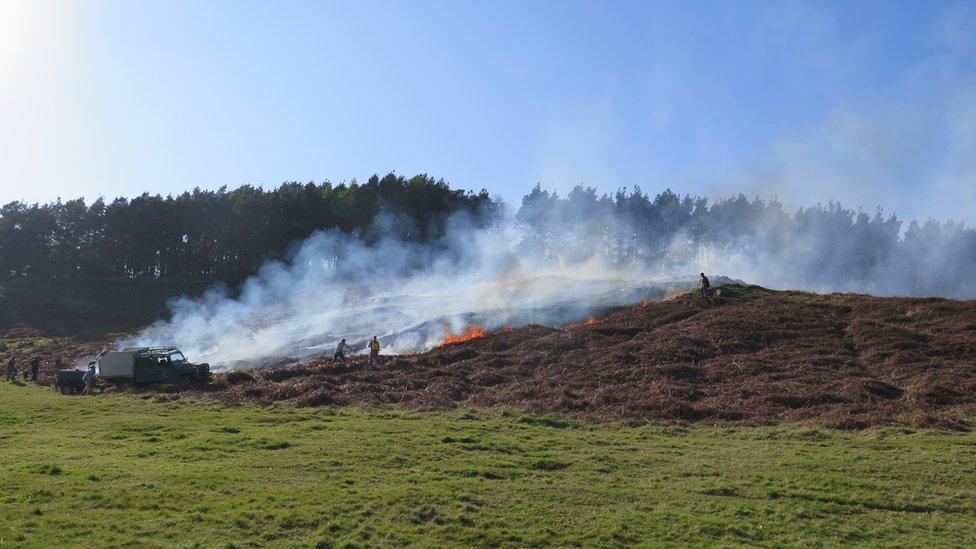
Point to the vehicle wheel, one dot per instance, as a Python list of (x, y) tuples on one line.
[(65, 389), (122, 385), (185, 381)]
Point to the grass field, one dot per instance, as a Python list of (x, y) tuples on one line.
[(151, 471)]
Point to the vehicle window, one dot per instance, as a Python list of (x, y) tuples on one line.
[(177, 357)]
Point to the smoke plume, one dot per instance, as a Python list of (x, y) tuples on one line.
[(411, 296), (557, 262)]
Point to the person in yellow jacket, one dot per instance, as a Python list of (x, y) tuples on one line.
[(374, 352)]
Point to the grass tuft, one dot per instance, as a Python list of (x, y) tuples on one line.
[(123, 471)]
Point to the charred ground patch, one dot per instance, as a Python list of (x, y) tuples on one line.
[(846, 361)]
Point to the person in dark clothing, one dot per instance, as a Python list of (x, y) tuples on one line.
[(705, 286), (341, 349), (35, 365), (11, 369)]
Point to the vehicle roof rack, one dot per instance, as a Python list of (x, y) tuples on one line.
[(168, 349)]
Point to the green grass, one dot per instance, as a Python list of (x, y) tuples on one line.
[(27, 344), (116, 470)]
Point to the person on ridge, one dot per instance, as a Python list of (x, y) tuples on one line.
[(374, 352), (705, 286), (341, 348)]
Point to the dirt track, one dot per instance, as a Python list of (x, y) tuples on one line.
[(844, 360)]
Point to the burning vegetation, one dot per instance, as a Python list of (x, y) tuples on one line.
[(590, 321), (467, 335), (754, 355)]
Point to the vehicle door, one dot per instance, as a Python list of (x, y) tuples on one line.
[(146, 370), (179, 364), (166, 370)]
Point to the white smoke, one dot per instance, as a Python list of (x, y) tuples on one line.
[(577, 260), (411, 296)]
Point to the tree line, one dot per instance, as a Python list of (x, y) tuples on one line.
[(821, 247), (220, 235), (228, 235)]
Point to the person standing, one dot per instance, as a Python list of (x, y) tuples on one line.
[(11, 369), (374, 352), (705, 286), (89, 379), (34, 365), (341, 348)]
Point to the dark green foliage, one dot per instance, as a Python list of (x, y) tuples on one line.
[(220, 234), (227, 235)]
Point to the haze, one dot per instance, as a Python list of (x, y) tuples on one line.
[(869, 103)]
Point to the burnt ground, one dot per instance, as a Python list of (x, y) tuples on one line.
[(756, 355), (753, 355)]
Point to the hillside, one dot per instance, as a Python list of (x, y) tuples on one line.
[(69, 319), (754, 354), (847, 361)]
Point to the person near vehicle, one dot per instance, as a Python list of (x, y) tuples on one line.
[(705, 286), (11, 369), (34, 366), (89, 379), (374, 352), (341, 348)]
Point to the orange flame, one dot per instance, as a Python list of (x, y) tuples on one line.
[(467, 335), (589, 321)]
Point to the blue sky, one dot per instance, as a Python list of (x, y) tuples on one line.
[(870, 103)]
